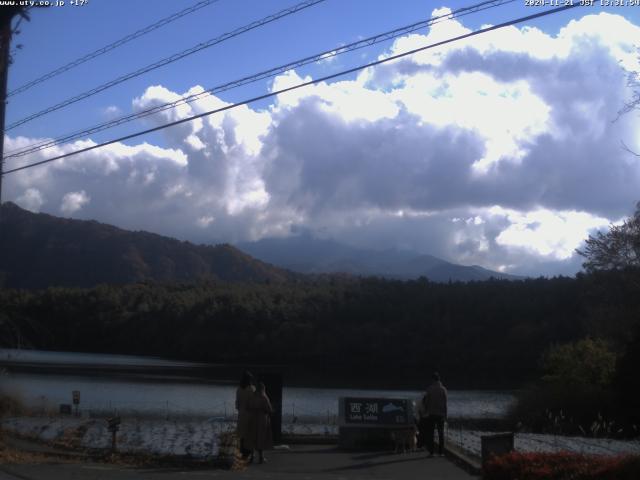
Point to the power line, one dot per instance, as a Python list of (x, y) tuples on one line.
[(300, 85), (112, 46), (165, 61), (260, 76)]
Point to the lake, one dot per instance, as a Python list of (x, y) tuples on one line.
[(170, 396)]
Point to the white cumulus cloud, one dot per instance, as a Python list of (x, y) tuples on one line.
[(501, 151), (31, 200), (74, 201)]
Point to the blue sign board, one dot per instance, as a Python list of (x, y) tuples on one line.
[(377, 411)]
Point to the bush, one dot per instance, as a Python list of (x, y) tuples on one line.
[(587, 364), (561, 466), (575, 395), (560, 411), (11, 405)]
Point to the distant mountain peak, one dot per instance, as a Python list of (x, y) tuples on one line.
[(307, 254)]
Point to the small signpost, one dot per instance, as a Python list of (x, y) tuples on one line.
[(76, 399), (368, 422), (113, 424)]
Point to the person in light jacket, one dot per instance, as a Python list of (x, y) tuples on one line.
[(243, 396), (259, 435), (435, 406)]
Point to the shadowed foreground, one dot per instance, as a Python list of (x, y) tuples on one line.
[(301, 462)]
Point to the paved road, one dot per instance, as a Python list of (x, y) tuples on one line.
[(303, 462)]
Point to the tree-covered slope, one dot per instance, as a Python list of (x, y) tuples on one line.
[(40, 250)]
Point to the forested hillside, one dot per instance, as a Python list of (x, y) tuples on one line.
[(489, 333), (42, 250)]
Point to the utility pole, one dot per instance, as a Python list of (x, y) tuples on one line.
[(6, 15)]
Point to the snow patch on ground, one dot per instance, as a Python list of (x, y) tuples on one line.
[(198, 438), (201, 437), (195, 437)]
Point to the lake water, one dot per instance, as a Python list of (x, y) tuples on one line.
[(38, 356), (171, 397)]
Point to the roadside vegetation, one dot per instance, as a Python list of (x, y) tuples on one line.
[(582, 392), (589, 386), (561, 466)]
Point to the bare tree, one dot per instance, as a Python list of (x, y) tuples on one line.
[(633, 82), (617, 249)]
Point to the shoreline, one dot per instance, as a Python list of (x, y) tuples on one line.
[(228, 374)]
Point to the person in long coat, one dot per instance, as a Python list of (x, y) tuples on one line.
[(243, 396), (259, 435)]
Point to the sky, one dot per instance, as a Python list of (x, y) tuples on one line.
[(504, 150)]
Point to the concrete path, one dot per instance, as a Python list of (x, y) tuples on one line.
[(302, 462)]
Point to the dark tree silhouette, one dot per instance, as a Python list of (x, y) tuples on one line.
[(617, 249)]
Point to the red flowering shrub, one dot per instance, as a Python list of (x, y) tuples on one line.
[(561, 466)]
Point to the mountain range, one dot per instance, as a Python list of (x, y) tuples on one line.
[(38, 250), (306, 254)]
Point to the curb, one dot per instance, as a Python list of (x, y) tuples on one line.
[(462, 459)]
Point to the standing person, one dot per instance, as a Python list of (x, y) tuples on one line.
[(435, 405), (259, 436), (243, 396)]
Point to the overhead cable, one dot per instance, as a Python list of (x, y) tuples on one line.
[(166, 61), (111, 46), (300, 85), (259, 76)]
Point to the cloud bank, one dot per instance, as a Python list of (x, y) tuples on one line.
[(502, 151)]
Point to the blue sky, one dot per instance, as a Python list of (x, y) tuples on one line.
[(58, 35), (469, 153)]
